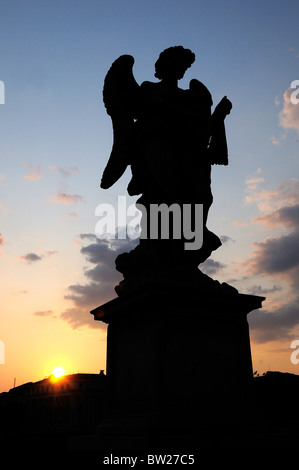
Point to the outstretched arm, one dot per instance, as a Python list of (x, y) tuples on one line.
[(222, 109), (218, 146)]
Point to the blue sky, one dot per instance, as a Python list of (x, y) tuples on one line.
[(56, 138)]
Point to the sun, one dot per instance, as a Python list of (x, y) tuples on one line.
[(58, 372)]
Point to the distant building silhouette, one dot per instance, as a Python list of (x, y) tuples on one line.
[(70, 402)]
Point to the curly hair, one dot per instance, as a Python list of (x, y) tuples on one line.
[(174, 61)]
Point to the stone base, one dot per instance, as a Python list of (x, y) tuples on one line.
[(176, 364)]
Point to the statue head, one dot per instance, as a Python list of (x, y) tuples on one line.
[(173, 62)]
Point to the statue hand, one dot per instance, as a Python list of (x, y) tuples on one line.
[(224, 107)]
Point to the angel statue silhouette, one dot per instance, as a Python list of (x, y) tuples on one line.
[(170, 138)]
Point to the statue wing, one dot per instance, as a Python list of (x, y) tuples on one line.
[(121, 98)]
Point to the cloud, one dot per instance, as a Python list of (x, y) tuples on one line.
[(253, 182), (43, 313), (275, 325), (286, 192), (280, 254), (289, 115), (19, 292), (293, 51), (275, 141), (211, 267), (278, 141), (30, 258), (2, 243), (33, 173), (65, 171), (88, 236), (101, 278), (286, 216), (77, 318), (2, 240), (276, 257), (64, 198), (47, 253), (260, 290), (226, 239), (33, 257), (240, 223)]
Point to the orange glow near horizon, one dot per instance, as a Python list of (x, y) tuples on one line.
[(57, 374)]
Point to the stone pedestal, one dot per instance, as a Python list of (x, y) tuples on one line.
[(177, 363)]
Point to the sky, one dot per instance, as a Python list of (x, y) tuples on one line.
[(56, 139)]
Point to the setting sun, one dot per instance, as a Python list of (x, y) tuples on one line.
[(58, 372)]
